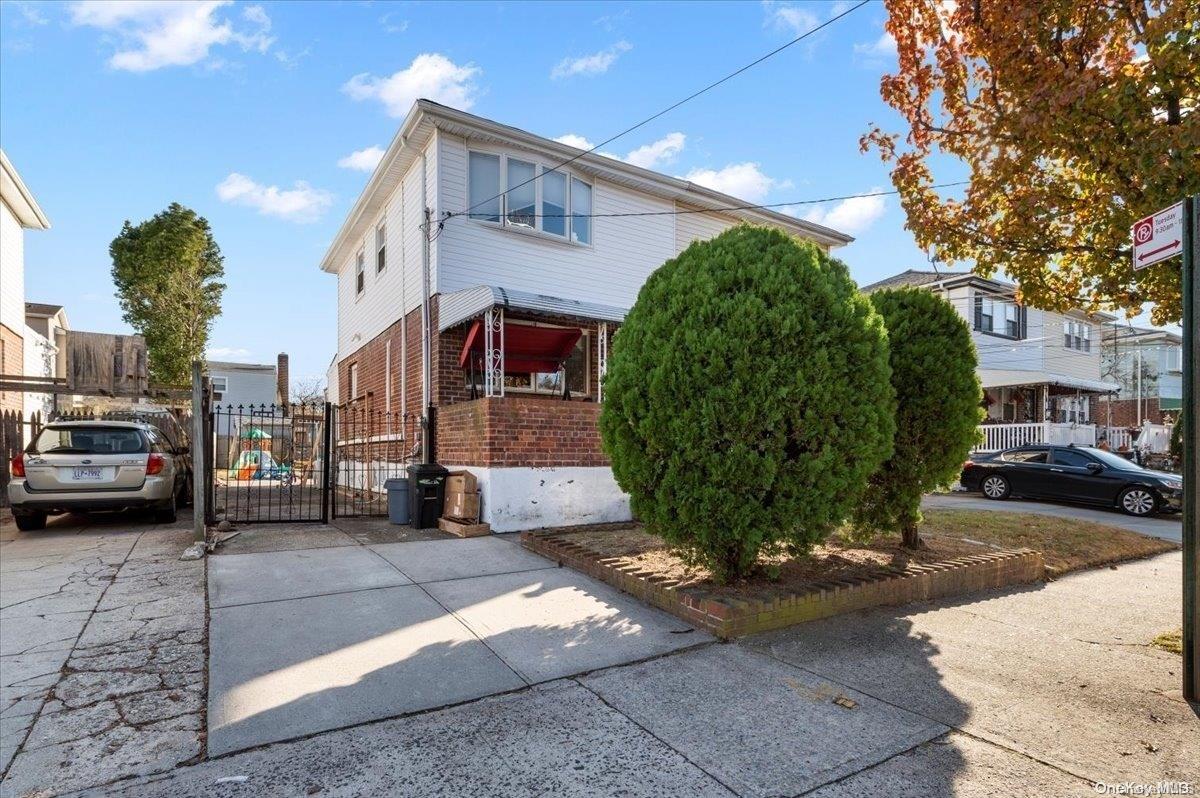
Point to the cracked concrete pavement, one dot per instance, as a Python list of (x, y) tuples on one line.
[(102, 653)]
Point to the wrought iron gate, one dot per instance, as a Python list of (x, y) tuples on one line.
[(267, 463), (369, 446), (303, 462)]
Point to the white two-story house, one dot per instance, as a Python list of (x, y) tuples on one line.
[(1147, 364), (500, 319), (1035, 366)]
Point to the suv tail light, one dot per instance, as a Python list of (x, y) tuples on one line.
[(17, 465), (154, 464)]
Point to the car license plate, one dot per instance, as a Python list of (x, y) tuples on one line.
[(93, 474)]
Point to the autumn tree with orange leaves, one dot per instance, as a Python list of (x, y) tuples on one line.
[(1074, 118)]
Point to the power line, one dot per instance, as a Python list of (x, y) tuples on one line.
[(747, 207), (670, 108)]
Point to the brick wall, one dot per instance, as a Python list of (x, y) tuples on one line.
[(12, 361), (526, 430), (1125, 413), (520, 431)]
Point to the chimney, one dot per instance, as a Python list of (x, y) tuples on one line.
[(281, 381)]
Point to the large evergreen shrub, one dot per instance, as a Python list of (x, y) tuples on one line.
[(937, 408), (747, 398)]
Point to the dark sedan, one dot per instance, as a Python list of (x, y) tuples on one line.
[(1075, 474)]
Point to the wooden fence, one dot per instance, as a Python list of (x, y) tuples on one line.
[(12, 443)]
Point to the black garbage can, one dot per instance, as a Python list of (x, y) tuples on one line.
[(426, 494)]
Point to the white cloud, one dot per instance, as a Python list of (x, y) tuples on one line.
[(301, 203), (789, 17), (594, 64), (154, 34), (648, 156), (745, 181), (431, 76), (31, 15), (232, 353), (658, 152), (364, 160), (877, 52), (851, 216), (574, 140), (393, 25)]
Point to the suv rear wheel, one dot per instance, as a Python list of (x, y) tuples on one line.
[(168, 512), (30, 520)]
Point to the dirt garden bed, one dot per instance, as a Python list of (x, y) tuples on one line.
[(964, 552)]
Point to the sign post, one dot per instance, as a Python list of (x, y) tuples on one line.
[(1190, 418), (1170, 232)]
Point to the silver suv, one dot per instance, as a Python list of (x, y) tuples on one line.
[(77, 466)]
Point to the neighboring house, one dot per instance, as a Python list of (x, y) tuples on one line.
[(1034, 365), (523, 296), (19, 211), (1147, 364), (46, 331), (246, 384)]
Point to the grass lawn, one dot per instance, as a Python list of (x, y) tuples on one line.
[(1066, 545), (1169, 641)]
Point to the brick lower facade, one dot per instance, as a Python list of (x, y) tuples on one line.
[(1125, 411), (12, 361), (519, 429)]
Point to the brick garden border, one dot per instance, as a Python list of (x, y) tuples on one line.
[(728, 617)]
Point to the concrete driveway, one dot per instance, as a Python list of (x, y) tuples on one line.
[(1168, 527), (1027, 691), (309, 640)]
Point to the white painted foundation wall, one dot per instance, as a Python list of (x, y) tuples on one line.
[(516, 499)]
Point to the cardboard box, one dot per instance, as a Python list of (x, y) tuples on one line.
[(461, 505), (461, 482), (464, 530)]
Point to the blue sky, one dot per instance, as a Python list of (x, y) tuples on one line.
[(255, 115)]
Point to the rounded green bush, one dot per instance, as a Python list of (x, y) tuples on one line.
[(747, 398), (937, 408)]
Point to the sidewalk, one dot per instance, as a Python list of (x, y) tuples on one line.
[(1033, 691)]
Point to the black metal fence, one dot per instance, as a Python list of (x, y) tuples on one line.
[(267, 463), (370, 446)]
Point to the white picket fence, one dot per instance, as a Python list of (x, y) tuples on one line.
[(1154, 438)]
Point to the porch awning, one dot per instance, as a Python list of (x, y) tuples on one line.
[(1012, 378), (458, 306), (526, 349)]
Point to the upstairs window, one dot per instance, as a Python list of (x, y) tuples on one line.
[(581, 211), (1078, 336), (484, 193), (1001, 317), (554, 203), (360, 279), (380, 248), (534, 197), (1174, 357), (521, 198)]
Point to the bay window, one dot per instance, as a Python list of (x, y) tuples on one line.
[(534, 196)]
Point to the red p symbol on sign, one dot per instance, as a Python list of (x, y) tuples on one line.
[(1143, 231)]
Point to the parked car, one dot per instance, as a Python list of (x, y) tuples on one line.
[(1076, 474), (77, 466)]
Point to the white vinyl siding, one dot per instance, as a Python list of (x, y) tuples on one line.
[(691, 227), (623, 251), (12, 271)]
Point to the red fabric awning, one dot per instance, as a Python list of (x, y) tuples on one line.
[(526, 349)]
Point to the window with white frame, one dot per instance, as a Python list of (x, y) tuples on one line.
[(353, 380), (1173, 357), (360, 278), (534, 196), (380, 247), (998, 316), (220, 386), (1077, 335)]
